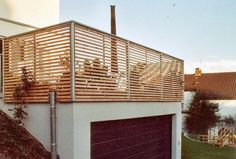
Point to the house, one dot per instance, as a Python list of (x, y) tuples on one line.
[(115, 98), (219, 86)]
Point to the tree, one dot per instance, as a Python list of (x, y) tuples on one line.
[(20, 93), (201, 114), (228, 120)]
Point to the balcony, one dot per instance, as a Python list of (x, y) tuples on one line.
[(84, 64)]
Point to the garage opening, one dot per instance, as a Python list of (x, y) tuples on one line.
[(138, 138)]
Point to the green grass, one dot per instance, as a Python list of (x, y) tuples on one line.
[(193, 136), (196, 150)]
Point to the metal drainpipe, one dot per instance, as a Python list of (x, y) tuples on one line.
[(52, 100)]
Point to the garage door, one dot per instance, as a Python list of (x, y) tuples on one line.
[(139, 138)]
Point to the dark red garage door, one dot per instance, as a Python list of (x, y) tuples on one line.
[(139, 138)]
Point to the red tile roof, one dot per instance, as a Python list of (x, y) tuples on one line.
[(217, 85)]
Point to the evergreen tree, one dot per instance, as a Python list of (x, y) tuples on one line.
[(201, 114), (228, 120)]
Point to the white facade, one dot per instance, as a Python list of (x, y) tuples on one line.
[(9, 28), (227, 107), (187, 99), (74, 119), (18, 16), (38, 124), (37, 13), (85, 113)]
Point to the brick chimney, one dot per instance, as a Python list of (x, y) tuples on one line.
[(113, 20), (114, 62), (198, 72)]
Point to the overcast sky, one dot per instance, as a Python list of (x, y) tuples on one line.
[(201, 32)]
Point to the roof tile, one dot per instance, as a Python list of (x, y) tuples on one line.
[(218, 85)]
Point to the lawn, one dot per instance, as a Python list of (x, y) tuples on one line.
[(196, 150)]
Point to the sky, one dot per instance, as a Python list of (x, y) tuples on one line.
[(201, 32)]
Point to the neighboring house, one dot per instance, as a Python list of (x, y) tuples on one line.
[(115, 98), (220, 87)]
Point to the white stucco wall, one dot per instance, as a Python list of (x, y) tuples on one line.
[(227, 107), (74, 119), (8, 29), (85, 113), (38, 124), (187, 99), (38, 13)]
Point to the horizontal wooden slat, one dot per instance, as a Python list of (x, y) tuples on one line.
[(107, 65), (45, 54), (107, 68)]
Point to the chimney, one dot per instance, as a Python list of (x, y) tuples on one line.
[(114, 61), (198, 72), (113, 20)]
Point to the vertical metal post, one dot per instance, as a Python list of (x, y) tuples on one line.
[(146, 62), (103, 49), (72, 59), (128, 69), (52, 100), (162, 93), (182, 79), (2, 65), (35, 68)]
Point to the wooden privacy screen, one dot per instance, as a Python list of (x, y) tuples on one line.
[(45, 53), (106, 68), (96, 76)]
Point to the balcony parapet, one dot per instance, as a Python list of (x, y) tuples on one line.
[(84, 64)]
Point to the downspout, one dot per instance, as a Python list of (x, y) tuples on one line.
[(53, 132)]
